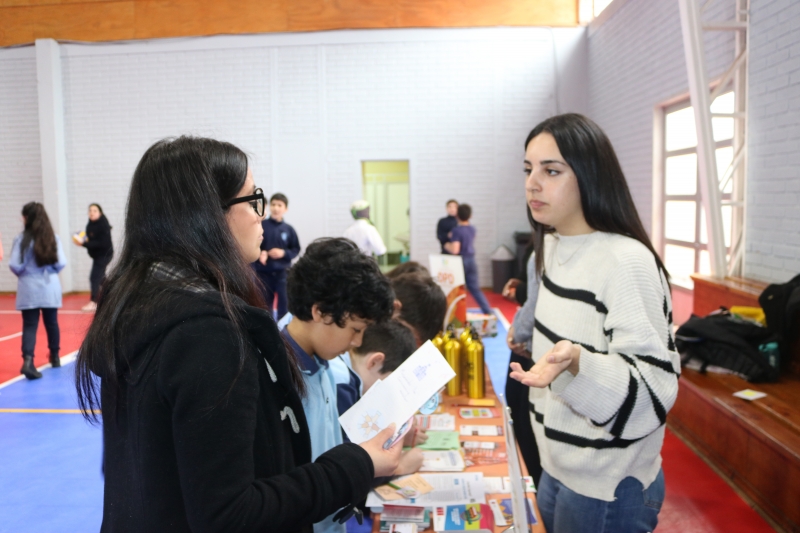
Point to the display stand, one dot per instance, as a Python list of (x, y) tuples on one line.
[(514, 467)]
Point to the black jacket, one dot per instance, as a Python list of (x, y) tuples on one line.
[(443, 229), (198, 445), (99, 243)]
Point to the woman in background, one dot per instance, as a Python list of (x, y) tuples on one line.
[(36, 259), (101, 250)]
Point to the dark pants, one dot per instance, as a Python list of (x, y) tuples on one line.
[(273, 283), (473, 286), (517, 399), (30, 323), (98, 275)]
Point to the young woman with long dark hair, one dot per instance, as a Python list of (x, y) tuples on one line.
[(606, 368), (36, 259), (98, 243), (202, 421)]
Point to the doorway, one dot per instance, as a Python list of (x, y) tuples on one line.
[(386, 188)]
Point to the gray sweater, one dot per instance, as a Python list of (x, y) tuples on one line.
[(524, 319)]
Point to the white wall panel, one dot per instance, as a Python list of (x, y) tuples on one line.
[(20, 161), (309, 108)]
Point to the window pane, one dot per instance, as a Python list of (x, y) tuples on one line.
[(723, 103), (679, 223), (681, 174), (723, 127), (724, 158), (600, 5), (679, 261), (681, 132), (727, 213), (705, 262)]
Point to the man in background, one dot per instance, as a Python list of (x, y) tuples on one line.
[(446, 224)]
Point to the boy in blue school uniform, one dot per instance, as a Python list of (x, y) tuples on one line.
[(279, 247), (335, 292), (383, 348)]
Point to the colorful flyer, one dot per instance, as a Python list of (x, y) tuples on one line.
[(481, 431), (476, 412)]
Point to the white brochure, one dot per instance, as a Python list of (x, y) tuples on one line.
[(399, 396), (448, 489)]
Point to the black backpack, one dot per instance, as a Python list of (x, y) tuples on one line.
[(781, 304), (724, 340)]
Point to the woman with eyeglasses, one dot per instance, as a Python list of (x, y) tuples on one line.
[(202, 421)]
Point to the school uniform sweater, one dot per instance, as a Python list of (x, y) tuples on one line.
[(604, 292)]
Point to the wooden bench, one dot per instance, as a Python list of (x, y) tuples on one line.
[(754, 445)]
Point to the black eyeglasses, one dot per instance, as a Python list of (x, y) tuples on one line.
[(257, 202)]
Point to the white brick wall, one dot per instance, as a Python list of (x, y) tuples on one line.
[(636, 61), (773, 188), (308, 108), (116, 105), (20, 162)]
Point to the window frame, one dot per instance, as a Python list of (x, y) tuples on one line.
[(660, 196)]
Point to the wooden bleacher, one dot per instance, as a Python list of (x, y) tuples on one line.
[(754, 445)]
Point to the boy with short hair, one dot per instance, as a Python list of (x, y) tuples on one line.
[(385, 346), (420, 304), (279, 247), (462, 242), (334, 292)]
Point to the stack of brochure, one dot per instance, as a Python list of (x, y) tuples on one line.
[(442, 461), (448, 489), (393, 515)]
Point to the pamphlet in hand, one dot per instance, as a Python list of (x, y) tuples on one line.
[(399, 396)]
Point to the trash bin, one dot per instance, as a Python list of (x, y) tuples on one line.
[(522, 240), (502, 268)]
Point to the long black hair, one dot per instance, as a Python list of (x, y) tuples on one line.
[(39, 231), (175, 215), (605, 198)]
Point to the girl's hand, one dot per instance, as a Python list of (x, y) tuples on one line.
[(510, 288), (410, 462), (563, 356), (385, 462), (263, 257), (518, 348)]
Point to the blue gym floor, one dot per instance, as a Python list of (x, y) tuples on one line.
[(51, 479)]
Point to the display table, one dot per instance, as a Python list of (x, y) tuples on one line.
[(451, 405)]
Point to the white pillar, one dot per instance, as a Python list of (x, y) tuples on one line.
[(53, 151)]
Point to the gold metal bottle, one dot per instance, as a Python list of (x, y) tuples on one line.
[(465, 338), (475, 374), (438, 341), (452, 353)]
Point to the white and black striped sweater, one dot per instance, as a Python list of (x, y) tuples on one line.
[(604, 292)]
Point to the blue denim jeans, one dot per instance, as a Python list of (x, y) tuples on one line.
[(634, 509), (473, 286)]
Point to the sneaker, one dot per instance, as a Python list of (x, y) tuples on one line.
[(91, 306)]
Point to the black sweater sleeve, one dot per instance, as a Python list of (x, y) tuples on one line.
[(99, 244), (213, 427)]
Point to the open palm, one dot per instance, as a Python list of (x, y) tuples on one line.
[(564, 355)]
